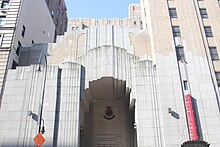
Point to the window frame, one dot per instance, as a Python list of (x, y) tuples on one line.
[(208, 31), (180, 54), (173, 13), (176, 31), (203, 13), (214, 53), (217, 75)]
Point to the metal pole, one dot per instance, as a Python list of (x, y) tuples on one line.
[(44, 84)]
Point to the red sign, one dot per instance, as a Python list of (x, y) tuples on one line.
[(191, 118), (39, 139)]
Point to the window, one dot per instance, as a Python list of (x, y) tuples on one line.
[(58, 12), (203, 13), (176, 31), (62, 12), (32, 41), (23, 31), (133, 7), (141, 24), (2, 20), (48, 2), (56, 22), (145, 12), (108, 21), (180, 53), (55, 36), (185, 84), (217, 74), (97, 22), (135, 22), (14, 64), (214, 53), (208, 31), (5, 4), (18, 48), (52, 14), (172, 12), (1, 38), (59, 1)]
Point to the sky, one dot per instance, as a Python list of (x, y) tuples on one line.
[(98, 8)]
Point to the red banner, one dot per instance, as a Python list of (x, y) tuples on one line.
[(191, 118)]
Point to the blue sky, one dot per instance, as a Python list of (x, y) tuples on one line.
[(98, 8)]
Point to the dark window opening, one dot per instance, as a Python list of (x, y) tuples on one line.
[(214, 53), (208, 31), (18, 48), (52, 14), (48, 2), (217, 74), (1, 38), (185, 84), (32, 41), (14, 64), (176, 31), (203, 13), (23, 31), (172, 12), (180, 53)]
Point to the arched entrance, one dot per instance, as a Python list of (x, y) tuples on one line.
[(107, 115)]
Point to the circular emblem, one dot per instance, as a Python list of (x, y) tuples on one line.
[(109, 114)]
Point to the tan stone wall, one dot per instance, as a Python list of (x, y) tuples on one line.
[(77, 43), (156, 16)]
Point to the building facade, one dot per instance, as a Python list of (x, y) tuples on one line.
[(21, 29), (185, 41), (58, 13), (150, 80)]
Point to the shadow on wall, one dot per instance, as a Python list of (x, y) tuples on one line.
[(197, 118), (175, 115), (57, 115)]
